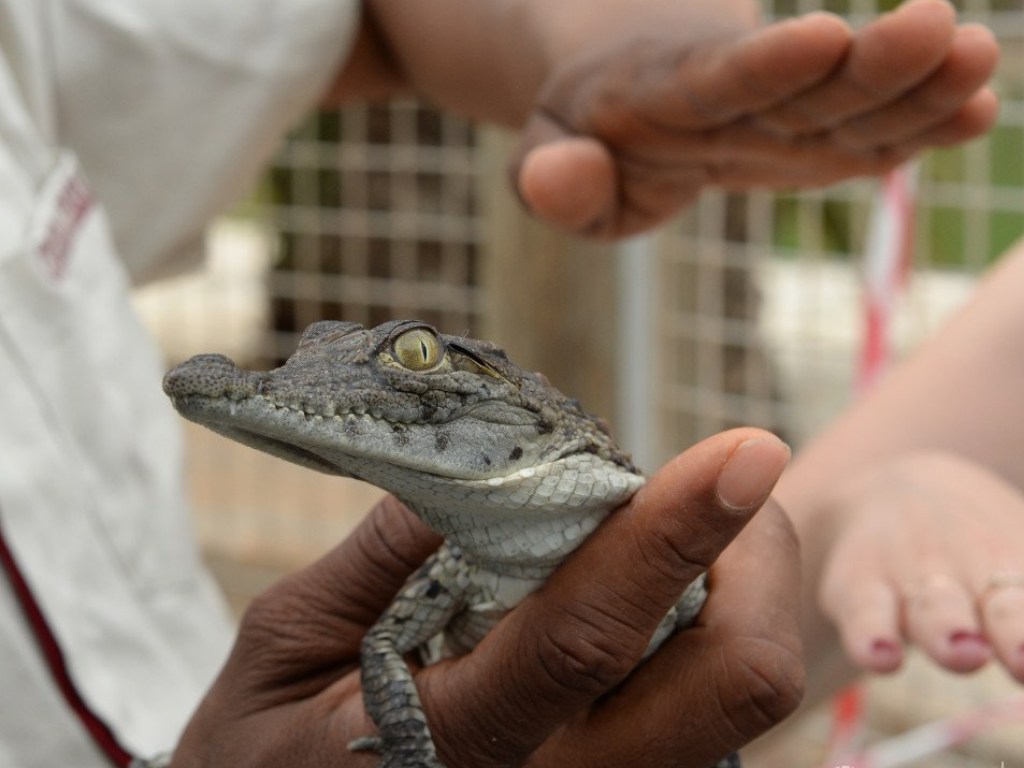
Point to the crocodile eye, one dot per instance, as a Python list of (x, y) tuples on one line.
[(418, 349)]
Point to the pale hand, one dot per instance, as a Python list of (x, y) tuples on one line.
[(928, 550)]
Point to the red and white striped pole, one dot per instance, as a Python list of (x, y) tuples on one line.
[(886, 267), (887, 262)]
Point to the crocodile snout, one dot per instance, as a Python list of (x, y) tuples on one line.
[(210, 376)]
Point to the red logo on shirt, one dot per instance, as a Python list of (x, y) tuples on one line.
[(73, 203)]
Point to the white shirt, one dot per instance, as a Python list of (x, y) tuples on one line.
[(124, 125)]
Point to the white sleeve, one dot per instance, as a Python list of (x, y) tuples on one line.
[(173, 107)]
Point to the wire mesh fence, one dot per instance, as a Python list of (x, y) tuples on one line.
[(376, 217)]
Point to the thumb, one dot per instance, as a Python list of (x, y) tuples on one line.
[(582, 632), (569, 181)]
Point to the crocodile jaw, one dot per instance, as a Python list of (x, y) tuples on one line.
[(468, 448), (481, 439), (521, 522)]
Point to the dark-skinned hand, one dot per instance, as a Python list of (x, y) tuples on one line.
[(649, 106), (557, 682)]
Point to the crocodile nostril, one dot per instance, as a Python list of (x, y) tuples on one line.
[(211, 375)]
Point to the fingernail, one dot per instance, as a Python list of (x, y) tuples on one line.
[(885, 652), (884, 647), (751, 472), (966, 639)]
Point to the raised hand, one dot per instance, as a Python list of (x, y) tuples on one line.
[(632, 127)]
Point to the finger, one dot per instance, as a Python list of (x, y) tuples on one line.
[(712, 688), (564, 167), (835, 166), (866, 612), (855, 592), (322, 611), (754, 620), (575, 184), (805, 162), (966, 69), (970, 121), (720, 84), (587, 627), (742, 151), (887, 58), (567, 181), (762, 160), (939, 617), (652, 189), (1002, 616)]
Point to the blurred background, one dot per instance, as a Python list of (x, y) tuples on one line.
[(749, 309)]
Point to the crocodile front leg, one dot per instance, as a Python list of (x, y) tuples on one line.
[(428, 601)]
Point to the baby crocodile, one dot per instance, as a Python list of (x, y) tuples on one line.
[(511, 472)]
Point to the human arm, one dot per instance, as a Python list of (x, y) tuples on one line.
[(629, 110), (289, 694), (959, 397)]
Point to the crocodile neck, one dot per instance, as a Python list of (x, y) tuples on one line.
[(521, 525)]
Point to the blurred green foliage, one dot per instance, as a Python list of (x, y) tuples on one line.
[(993, 213)]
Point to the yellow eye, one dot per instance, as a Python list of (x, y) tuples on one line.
[(418, 349)]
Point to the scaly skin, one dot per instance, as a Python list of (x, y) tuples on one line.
[(514, 474)]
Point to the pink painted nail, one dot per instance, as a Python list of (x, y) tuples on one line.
[(966, 639), (886, 653), (882, 645)]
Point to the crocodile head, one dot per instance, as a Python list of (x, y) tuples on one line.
[(491, 456), (400, 394)]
